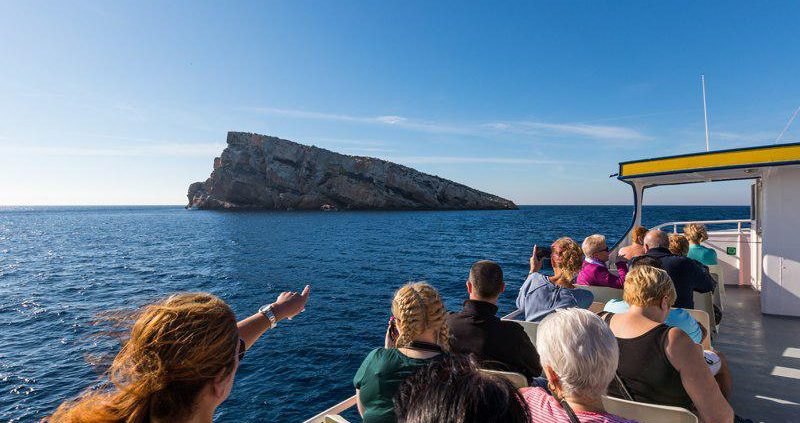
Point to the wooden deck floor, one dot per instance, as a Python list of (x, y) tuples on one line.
[(764, 355)]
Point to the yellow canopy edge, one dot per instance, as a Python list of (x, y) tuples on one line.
[(758, 156)]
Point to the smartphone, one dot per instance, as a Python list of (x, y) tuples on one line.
[(393, 333)]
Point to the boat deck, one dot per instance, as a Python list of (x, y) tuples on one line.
[(764, 355)]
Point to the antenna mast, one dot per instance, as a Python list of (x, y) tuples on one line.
[(705, 109), (788, 124)]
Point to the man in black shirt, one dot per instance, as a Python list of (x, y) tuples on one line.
[(496, 344), (687, 275)]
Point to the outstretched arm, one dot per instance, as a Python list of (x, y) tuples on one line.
[(288, 305)]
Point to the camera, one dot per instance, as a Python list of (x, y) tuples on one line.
[(543, 252)]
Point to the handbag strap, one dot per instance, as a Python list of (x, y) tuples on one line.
[(607, 316), (571, 414), (623, 388)]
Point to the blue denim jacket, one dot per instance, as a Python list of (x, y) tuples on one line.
[(538, 297)]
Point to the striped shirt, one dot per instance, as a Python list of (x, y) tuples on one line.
[(544, 408)]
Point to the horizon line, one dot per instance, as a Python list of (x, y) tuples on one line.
[(520, 205)]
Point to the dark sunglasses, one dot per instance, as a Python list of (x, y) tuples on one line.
[(242, 349)]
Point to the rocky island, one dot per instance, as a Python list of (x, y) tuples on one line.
[(259, 172)]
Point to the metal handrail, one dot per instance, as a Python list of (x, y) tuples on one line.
[(675, 225), (336, 409)]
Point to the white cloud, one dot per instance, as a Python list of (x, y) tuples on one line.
[(519, 127), (463, 160), (499, 126), (301, 114), (752, 137), (563, 129), (156, 150), (391, 120)]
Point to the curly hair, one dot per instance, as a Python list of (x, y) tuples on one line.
[(174, 349), (646, 285), (418, 307), (637, 235), (696, 233), (570, 258), (678, 245)]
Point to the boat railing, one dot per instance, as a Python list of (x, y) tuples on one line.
[(335, 410), (738, 222)]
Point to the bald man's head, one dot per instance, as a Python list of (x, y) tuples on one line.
[(656, 238)]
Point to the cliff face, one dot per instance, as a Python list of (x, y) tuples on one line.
[(261, 172)]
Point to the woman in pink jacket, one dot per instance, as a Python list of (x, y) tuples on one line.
[(595, 271)]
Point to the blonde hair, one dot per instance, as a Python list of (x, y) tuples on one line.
[(637, 235), (174, 349), (418, 307), (678, 245), (646, 285), (695, 232), (570, 257), (592, 243)]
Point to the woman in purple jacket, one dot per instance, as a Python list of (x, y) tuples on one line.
[(594, 271)]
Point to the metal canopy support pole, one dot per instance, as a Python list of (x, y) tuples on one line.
[(705, 109)]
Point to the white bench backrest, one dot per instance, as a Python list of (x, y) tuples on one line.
[(517, 379), (602, 294), (702, 317), (649, 413)]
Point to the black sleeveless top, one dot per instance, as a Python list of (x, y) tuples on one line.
[(646, 372)]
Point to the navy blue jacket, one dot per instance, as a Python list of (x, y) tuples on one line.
[(687, 275)]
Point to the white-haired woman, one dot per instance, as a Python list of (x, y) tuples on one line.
[(579, 355), (696, 234), (595, 268)]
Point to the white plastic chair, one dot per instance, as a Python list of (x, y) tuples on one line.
[(719, 292), (705, 301), (650, 413), (597, 307), (529, 327), (517, 379), (603, 294), (702, 318)]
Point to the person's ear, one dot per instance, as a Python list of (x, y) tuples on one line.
[(502, 287), (469, 287), (665, 305), (220, 387), (553, 383), (549, 373)]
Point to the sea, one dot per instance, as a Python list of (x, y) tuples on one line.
[(60, 267)]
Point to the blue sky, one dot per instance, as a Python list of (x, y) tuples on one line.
[(127, 103)]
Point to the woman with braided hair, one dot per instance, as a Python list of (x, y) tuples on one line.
[(417, 334)]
